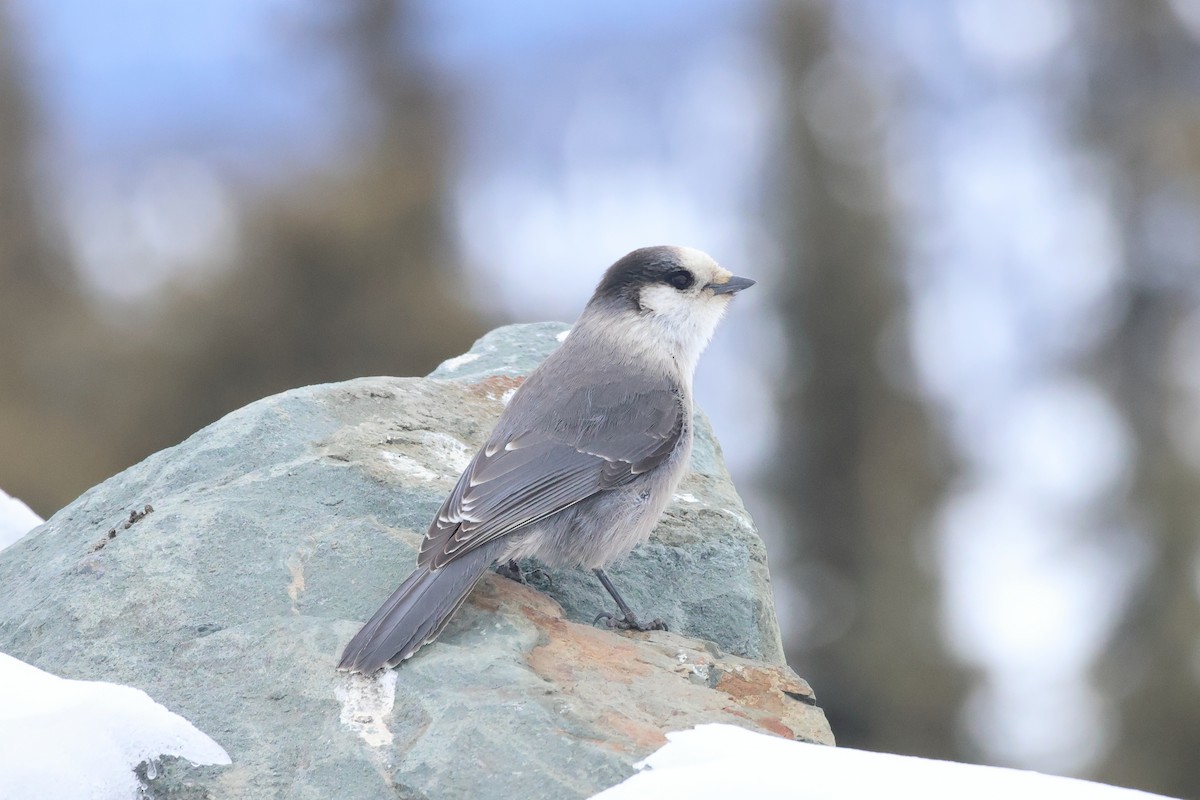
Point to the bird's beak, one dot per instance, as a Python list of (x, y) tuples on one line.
[(731, 286)]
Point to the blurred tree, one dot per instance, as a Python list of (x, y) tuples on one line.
[(1141, 114), (44, 444), (336, 275), (339, 276), (861, 466)]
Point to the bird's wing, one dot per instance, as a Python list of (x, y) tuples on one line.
[(591, 439)]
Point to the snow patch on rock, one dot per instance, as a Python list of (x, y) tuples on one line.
[(82, 740)]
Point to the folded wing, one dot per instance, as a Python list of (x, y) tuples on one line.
[(595, 438)]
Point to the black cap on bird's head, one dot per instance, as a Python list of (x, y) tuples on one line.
[(682, 269)]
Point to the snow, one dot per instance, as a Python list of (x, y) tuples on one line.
[(724, 761), (81, 740), (367, 703), (452, 364), (16, 519)]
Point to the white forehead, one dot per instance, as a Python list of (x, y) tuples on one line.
[(697, 261)]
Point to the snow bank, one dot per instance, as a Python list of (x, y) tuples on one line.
[(723, 761), (81, 740), (16, 519)]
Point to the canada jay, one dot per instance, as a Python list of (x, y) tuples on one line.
[(584, 458)]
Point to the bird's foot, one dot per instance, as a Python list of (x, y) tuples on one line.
[(628, 623), (512, 570)]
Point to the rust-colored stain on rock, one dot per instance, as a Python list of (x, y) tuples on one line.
[(625, 691), (642, 736), (495, 386), (775, 726), (572, 648)]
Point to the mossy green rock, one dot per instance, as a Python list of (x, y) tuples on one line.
[(274, 532)]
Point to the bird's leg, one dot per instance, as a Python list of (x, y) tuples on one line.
[(512, 571), (629, 620)]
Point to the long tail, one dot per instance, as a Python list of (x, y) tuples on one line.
[(416, 612)]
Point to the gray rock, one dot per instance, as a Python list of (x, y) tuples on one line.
[(224, 575)]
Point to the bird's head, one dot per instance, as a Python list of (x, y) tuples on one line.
[(667, 296)]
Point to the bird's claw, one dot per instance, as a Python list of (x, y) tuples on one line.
[(512, 570), (628, 624)]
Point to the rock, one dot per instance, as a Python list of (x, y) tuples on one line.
[(224, 575)]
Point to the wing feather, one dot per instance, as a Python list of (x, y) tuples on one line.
[(594, 438)]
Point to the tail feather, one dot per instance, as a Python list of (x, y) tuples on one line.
[(416, 612)]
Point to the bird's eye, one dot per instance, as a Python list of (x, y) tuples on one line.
[(681, 279)]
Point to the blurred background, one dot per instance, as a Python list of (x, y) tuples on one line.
[(963, 403)]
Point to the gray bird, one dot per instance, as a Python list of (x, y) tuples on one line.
[(585, 457)]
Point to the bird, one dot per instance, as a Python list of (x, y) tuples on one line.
[(583, 459)]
